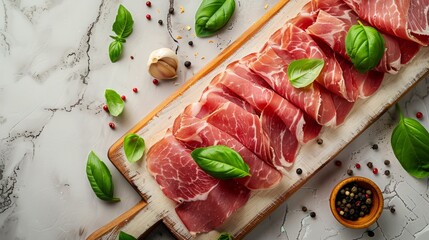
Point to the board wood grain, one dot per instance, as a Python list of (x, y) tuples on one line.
[(311, 158)]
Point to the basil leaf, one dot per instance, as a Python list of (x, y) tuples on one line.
[(364, 46), (123, 25), (126, 236), (114, 102), (115, 50), (134, 147), (212, 15), (224, 236), (99, 178), (220, 162), (303, 72), (410, 143)]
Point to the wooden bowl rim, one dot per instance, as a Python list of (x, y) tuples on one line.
[(376, 192)]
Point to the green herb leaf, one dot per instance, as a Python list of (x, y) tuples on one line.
[(126, 236), (114, 102), (212, 15), (123, 25), (224, 236), (134, 147), (364, 46), (99, 178), (303, 72), (115, 50), (220, 162), (410, 143)]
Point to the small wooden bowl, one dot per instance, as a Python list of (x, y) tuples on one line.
[(377, 203)]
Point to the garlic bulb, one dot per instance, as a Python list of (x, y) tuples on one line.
[(163, 63)]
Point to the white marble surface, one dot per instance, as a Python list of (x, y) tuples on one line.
[(54, 68)]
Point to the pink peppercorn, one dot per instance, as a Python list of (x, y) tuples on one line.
[(419, 115), (135, 90), (124, 98), (155, 81), (105, 108), (375, 170), (112, 125), (148, 17), (357, 165), (148, 3)]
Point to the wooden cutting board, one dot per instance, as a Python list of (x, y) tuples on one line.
[(155, 207)]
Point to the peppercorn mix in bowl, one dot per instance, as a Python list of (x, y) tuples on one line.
[(356, 202)]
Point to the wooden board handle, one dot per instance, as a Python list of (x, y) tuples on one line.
[(137, 221)]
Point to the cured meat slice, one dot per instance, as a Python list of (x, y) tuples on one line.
[(314, 100), (292, 43), (235, 121), (407, 19), (223, 200), (195, 133), (340, 10), (177, 174), (238, 78)]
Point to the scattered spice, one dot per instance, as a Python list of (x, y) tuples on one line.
[(149, 4), (105, 108), (179, 37), (160, 22), (148, 17), (190, 43), (369, 164), (135, 90), (196, 54), (392, 210), (374, 146), (319, 141), (182, 9), (338, 163), (299, 171), (387, 172), (266, 6), (375, 170), (124, 98), (155, 81), (419, 115), (353, 201), (371, 233), (132, 57), (171, 10), (211, 41), (313, 214), (188, 28), (386, 162), (304, 208), (202, 58), (357, 165), (112, 125), (349, 172), (187, 64)]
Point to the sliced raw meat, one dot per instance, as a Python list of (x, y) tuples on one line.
[(407, 19), (173, 168), (292, 43), (250, 87), (223, 200), (195, 133), (235, 121)]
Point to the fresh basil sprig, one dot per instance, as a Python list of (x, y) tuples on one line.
[(134, 147), (224, 236), (114, 102), (212, 15), (126, 236), (303, 72), (99, 178), (410, 143), (220, 162), (123, 27), (365, 47)]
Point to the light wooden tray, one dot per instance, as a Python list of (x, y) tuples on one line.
[(155, 207)]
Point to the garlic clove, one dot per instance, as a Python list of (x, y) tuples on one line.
[(163, 64)]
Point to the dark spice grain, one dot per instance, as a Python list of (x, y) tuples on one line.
[(319, 141), (160, 22), (187, 64), (313, 214), (299, 171)]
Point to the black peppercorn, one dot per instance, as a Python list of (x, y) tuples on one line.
[(313, 214), (386, 162), (374, 146), (190, 43), (392, 210), (319, 141), (171, 10), (304, 208), (387, 172), (371, 233), (349, 172), (160, 22), (299, 171), (188, 64), (369, 164)]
